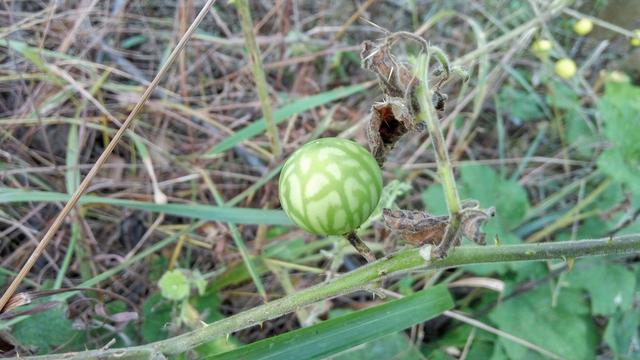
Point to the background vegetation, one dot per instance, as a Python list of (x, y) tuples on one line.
[(181, 225)]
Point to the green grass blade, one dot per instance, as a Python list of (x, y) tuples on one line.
[(284, 113), (195, 211), (336, 335)]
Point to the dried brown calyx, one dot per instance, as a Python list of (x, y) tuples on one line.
[(419, 228), (395, 115)]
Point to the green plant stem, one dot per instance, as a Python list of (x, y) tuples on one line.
[(359, 279), (445, 170), (258, 75), (428, 114)]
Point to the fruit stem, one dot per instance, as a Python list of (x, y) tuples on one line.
[(360, 246)]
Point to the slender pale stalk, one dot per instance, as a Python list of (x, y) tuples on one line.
[(361, 278), (258, 75)]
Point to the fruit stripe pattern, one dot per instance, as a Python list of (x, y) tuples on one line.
[(330, 186)]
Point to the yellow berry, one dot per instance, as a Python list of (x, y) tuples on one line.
[(541, 46), (618, 76), (635, 40), (583, 27), (565, 68)]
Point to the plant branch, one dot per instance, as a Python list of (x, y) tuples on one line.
[(445, 171), (359, 279)]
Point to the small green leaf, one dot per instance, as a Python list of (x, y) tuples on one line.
[(174, 285), (199, 282)]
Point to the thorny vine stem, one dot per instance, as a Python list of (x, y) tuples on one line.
[(401, 262)]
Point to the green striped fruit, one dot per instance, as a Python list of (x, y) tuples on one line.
[(330, 186)]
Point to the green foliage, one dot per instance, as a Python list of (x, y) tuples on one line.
[(48, 331), (565, 329), (520, 105), (619, 108), (195, 211), (623, 335), (611, 286), (157, 314), (174, 285), (392, 346), (283, 113), (344, 332), (487, 186)]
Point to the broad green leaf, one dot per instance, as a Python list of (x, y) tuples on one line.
[(48, 331), (157, 315), (196, 211), (282, 114), (566, 329), (342, 333), (619, 108), (623, 335), (519, 105), (611, 286)]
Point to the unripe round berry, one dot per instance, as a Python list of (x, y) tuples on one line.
[(565, 68), (635, 40), (541, 46), (583, 27), (330, 186)]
